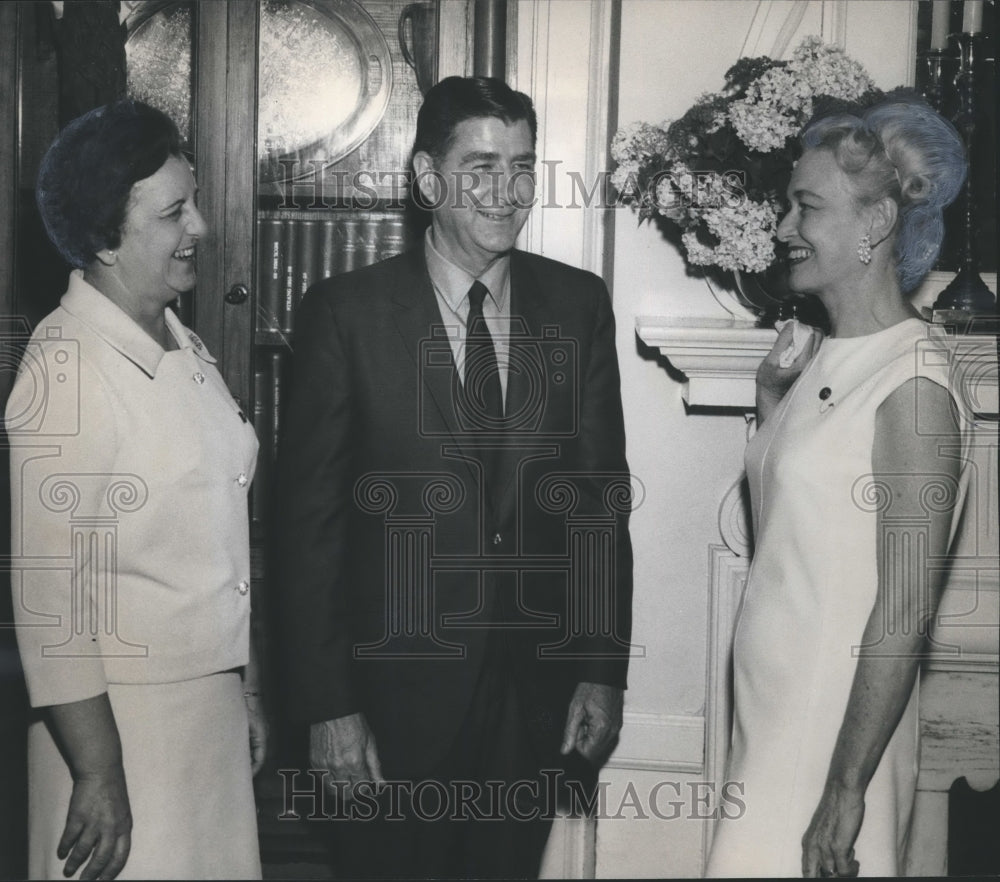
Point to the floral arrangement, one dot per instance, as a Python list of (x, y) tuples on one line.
[(720, 171)]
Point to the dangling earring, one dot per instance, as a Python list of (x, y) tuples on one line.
[(865, 249)]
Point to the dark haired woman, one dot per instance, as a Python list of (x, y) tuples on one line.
[(856, 477), (130, 466)]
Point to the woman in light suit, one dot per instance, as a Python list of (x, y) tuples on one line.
[(130, 468)]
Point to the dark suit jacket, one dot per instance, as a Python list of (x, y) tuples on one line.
[(397, 566)]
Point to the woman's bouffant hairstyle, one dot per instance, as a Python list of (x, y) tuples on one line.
[(902, 149), (87, 174)]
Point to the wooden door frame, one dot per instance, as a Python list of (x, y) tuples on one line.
[(225, 152), (10, 114)]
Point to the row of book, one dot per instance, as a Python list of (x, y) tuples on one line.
[(295, 251)]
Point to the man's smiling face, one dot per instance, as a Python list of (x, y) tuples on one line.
[(481, 190)]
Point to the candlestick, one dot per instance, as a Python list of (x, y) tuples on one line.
[(967, 293), (972, 16), (939, 24)]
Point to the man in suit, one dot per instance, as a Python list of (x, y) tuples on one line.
[(456, 565)]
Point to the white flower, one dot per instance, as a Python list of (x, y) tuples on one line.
[(780, 101), (626, 182), (723, 207), (745, 234), (639, 141)]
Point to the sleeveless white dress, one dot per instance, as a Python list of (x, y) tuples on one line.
[(810, 592)]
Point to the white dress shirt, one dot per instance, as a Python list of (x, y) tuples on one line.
[(451, 287)]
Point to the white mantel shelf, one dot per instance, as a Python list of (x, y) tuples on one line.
[(718, 357)]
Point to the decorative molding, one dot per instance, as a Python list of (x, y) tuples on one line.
[(573, 146), (598, 157), (571, 852), (727, 579), (660, 743), (734, 519), (718, 357), (966, 630), (834, 28), (911, 42), (531, 76)]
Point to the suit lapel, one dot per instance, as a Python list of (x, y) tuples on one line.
[(420, 327), (525, 307), (526, 311)]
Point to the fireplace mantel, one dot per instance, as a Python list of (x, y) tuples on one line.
[(718, 357)]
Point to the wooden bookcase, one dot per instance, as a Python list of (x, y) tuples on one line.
[(268, 240)]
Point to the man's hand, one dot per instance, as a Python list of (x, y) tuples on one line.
[(98, 825), (259, 732), (346, 748), (594, 719)]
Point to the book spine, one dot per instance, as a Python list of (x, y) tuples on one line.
[(349, 238), (307, 265), (328, 251), (271, 257), (392, 240), (368, 240), (290, 285)]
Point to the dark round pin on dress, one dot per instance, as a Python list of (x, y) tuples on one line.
[(825, 393)]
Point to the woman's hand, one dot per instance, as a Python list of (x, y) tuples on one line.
[(99, 819), (778, 370), (259, 731), (828, 846), (98, 825)]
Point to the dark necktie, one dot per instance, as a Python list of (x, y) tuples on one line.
[(484, 398), (483, 403)]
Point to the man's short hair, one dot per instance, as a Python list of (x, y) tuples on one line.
[(456, 99)]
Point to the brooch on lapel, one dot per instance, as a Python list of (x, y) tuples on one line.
[(825, 401)]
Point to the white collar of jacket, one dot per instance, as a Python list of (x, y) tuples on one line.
[(119, 331)]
